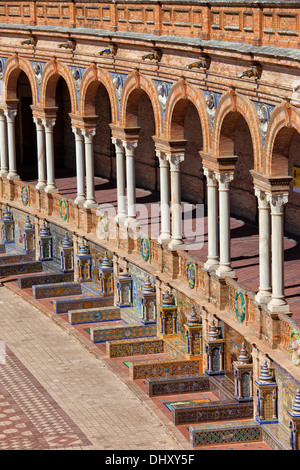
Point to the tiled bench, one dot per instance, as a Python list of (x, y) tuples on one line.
[(213, 411), (61, 289), (225, 433), (91, 315), (64, 305), (106, 333), (20, 268), (134, 347), (26, 282), (178, 384), (15, 258), (162, 368)]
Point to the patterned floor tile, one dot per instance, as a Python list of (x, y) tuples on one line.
[(29, 417)]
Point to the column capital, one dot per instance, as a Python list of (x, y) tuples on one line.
[(38, 122), (130, 146), (175, 159), (277, 202), (88, 134), (262, 200), (162, 157), (224, 180), (210, 176), (117, 143), (10, 114), (77, 131), (49, 123)]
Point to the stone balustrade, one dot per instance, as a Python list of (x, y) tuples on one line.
[(274, 23)]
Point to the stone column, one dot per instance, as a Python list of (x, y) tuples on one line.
[(224, 269), (164, 168), (50, 187), (212, 218), (121, 180), (41, 157), (79, 144), (130, 180), (264, 293), (11, 139), (3, 145), (176, 239), (89, 168), (278, 302)]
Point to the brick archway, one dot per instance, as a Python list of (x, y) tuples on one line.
[(52, 72), (13, 67), (91, 80), (230, 107), (174, 114), (284, 121), (134, 85)]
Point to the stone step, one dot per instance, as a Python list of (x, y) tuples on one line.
[(225, 433), (163, 368), (107, 333), (26, 282), (62, 289), (187, 413), (64, 305), (179, 384), (92, 315), (134, 347), (21, 268)]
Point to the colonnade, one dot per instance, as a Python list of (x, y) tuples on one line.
[(271, 213)]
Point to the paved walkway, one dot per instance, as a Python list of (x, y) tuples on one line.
[(55, 394)]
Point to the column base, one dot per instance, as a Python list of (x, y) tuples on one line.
[(211, 265), (129, 221), (41, 185), (13, 176), (278, 307), (3, 173), (263, 297), (90, 204), (176, 245), (223, 272), (164, 238), (51, 189), (120, 218), (80, 200)]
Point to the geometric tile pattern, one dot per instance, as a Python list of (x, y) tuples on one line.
[(26, 282), (56, 290), (106, 333), (162, 368), (29, 417), (225, 433), (134, 347)]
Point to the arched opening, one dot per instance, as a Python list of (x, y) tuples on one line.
[(64, 142), (243, 201), (286, 162), (104, 153), (186, 125), (26, 150), (235, 140), (139, 113)]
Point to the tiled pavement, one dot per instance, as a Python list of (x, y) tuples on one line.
[(244, 239), (55, 394)]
